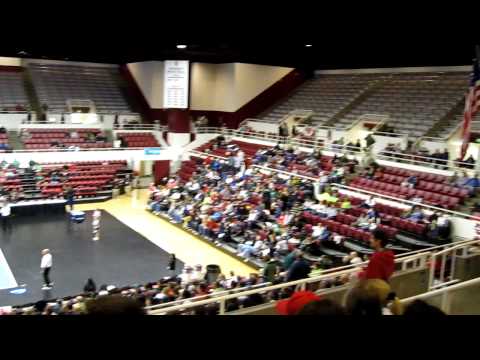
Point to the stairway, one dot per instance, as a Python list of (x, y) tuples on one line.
[(447, 122), (359, 99), (14, 140), (31, 93), (109, 134)]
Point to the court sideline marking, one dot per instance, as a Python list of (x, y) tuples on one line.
[(7, 280)]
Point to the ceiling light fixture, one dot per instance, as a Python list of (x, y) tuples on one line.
[(181, 46), (308, 45)]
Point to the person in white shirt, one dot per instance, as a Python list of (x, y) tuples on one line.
[(97, 214), (198, 274), (187, 276), (6, 212), (46, 265)]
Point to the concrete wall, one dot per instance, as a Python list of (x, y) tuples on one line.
[(10, 61), (467, 267), (227, 87), (47, 156), (149, 78)]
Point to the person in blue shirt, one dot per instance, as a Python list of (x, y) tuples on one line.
[(416, 214)]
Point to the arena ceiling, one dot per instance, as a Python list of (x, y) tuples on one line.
[(361, 44)]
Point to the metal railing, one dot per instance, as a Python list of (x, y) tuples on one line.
[(318, 143), (207, 296), (426, 161), (404, 201), (141, 127), (389, 134), (312, 283), (445, 254), (445, 292), (73, 150), (417, 260)]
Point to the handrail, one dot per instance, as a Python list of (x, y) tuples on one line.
[(443, 253), (457, 246), (451, 165), (445, 291), (312, 144), (210, 296), (74, 150), (381, 133), (409, 202), (405, 156), (432, 293), (302, 283), (151, 127)]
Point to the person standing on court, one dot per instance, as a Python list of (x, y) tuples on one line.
[(172, 263), (70, 196), (6, 212), (46, 265)]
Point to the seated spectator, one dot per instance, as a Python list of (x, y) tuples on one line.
[(410, 182), (369, 203), (323, 307), (346, 204), (472, 184), (416, 214), (114, 305), (419, 308), (294, 304), (352, 258), (372, 297), (361, 302)]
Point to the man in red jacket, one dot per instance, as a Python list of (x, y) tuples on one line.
[(382, 262)]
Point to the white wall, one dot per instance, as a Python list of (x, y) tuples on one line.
[(178, 139), (227, 87), (149, 77), (9, 61), (250, 80), (382, 141), (262, 126), (47, 156), (12, 121), (202, 86)]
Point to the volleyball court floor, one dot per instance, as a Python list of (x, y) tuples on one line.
[(134, 248)]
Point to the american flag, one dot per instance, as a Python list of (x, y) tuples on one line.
[(472, 103)]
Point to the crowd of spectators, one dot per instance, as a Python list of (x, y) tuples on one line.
[(258, 213)]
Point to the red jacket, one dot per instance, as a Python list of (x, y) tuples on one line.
[(381, 265)]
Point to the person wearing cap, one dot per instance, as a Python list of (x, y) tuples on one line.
[(294, 304), (382, 263)]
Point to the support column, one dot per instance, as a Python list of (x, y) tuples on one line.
[(178, 127)]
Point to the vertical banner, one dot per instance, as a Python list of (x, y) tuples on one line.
[(175, 92)]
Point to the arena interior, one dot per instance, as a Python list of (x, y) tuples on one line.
[(182, 186)]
